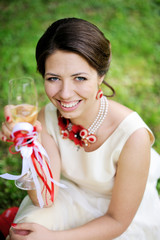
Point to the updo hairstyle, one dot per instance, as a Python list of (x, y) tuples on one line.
[(78, 36)]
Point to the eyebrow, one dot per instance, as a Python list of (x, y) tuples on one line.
[(75, 74), (53, 74), (79, 73)]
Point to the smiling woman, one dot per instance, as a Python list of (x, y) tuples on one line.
[(99, 148), (79, 37), (71, 85)]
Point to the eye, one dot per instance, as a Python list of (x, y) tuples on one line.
[(52, 79), (81, 78)]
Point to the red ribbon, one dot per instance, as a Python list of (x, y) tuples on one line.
[(25, 139)]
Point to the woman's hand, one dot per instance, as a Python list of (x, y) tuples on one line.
[(29, 231), (8, 124)]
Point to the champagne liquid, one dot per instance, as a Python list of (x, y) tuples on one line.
[(24, 113)]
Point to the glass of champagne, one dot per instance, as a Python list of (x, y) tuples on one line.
[(23, 103)]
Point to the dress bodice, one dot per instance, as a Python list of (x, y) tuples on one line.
[(94, 170)]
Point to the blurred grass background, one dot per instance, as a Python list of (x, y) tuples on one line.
[(132, 26)]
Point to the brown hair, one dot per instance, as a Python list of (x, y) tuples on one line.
[(79, 36)]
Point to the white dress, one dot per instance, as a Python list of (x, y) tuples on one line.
[(90, 178)]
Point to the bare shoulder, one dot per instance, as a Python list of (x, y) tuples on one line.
[(139, 142), (116, 114), (118, 111)]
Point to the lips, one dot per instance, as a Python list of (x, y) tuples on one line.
[(69, 105)]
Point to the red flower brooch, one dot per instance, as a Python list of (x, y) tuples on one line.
[(78, 134)]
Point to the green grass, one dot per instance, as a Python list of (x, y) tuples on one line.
[(132, 26)]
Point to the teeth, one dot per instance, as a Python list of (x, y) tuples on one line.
[(69, 105)]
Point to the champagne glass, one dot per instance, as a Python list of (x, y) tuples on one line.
[(23, 102)]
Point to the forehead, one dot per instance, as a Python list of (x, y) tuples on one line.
[(67, 61)]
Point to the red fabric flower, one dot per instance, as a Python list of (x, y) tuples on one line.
[(75, 136), (63, 123), (75, 133), (77, 128)]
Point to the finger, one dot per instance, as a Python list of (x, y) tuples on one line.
[(21, 232), (7, 113), (7, 129), (23, 226), (17, 234), (2, 137)]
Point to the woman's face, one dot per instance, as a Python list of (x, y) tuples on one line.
[(71, 84)]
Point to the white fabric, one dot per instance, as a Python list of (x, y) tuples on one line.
[(90, 178)]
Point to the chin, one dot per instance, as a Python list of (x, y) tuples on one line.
[(68, 115)]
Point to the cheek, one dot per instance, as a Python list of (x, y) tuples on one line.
[(90, 90), (49, 89)]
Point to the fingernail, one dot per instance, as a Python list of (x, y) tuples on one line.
[(7, 118), (13, 224), (3, 138), (35, 128)]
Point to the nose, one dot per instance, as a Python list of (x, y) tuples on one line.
[(66, 91)]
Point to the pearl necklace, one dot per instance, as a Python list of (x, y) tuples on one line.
[(80, 135), (100, 117)]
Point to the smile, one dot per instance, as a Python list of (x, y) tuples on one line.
[(69, 105)]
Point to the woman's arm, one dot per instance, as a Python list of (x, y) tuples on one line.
[(130, 182)]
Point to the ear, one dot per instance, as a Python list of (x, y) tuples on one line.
[(100, 79)]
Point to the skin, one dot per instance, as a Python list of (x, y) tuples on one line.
[(69, 79)]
